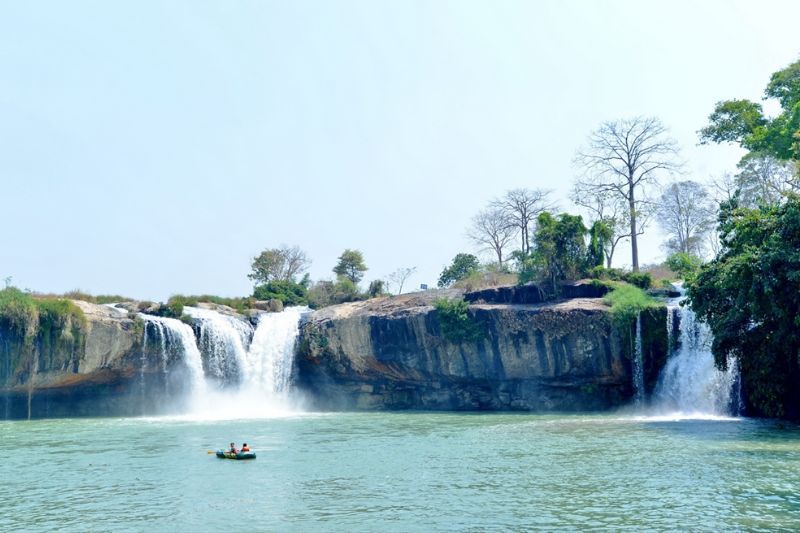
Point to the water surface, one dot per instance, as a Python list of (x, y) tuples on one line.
[(400, 472)]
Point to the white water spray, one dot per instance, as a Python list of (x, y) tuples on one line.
[(690, 383), (224, 341), (174, 334), (638, 364)]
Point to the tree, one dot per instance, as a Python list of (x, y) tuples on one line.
[(279, 264), (743, 122), (763, 178), (686, 213), (608, 208), (288, 292), (750, 297), (351, 265), (623, 157), (491, 229), (520, 207), (560, 247), (399, 277), (463, 266), (600, 236), (683, 264), (376, 288)]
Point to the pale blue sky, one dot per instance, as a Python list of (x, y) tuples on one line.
[(151, 148)]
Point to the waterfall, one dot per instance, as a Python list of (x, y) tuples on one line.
[(690, 383), (251, 367), (223, 340), (638, 364), (271, 354), (174, 340)]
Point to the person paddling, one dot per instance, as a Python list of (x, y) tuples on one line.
[(245, 447), (233, 448)]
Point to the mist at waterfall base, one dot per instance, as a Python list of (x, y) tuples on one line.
[(223, 367)]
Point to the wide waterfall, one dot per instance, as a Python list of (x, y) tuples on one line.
[(247, 369), (690, 384)]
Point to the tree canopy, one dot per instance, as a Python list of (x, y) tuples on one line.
[(462, 266), (279, 264), (750, 297), (351, 265)]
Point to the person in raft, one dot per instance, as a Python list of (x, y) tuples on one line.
[(233, 448), (245, 447)]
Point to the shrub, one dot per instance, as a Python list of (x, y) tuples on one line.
[(455, 321), (463, 265), (601, 272), (627, 301), (288, 292), (241, 305), (643, 280)]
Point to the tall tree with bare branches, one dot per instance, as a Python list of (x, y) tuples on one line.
[(521, 207), (399, 277), (492, 230), (624, 157), (687, 213)]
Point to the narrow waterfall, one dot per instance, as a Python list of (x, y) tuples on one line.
[(223, 340), (690, 383), (271, 354), (638, 364), (174, 341)]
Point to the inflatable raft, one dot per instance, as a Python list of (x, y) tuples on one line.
[(237, 456)]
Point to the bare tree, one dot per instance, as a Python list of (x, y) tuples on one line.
[(686, 213), (722, 188), (608, 208), (399, 277), (765, 179), (491, 230), (623, 157), (520, 207), (279, 264)]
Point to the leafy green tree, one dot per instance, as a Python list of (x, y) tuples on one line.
[(743, 122), (279, 264), (750, 297), (683, 264), (376, 288), (601, 235), (560, 247), (463, 265), (351, 266)]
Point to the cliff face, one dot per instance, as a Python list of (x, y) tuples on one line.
[(391, 354), (63, 374)]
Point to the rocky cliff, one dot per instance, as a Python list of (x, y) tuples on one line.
[(390, 354)]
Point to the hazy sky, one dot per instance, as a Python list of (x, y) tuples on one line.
[(152, 148)]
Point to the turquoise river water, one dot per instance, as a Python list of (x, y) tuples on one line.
[(400, 472)]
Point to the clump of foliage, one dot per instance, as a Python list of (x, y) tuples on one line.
[(683, 264), (627, 301), (463, 266), (643, 280), (750, 297), (325, 293), (560, 247), (488, 276), (603, 273), (18, 312), (455, 322), (376, 288), (279, 264), (288, 292)]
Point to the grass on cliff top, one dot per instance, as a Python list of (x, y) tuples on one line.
[(627, 301), (27, 314)]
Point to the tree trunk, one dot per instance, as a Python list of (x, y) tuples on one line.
[(634, 242)]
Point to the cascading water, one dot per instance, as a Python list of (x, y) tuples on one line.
[(173, 340), (690, 383), (638, 364), (223, 340), (251, 368)]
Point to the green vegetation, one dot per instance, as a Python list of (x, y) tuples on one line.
[(325, 293), (178, 301), (463, 266), (351, 266), (455, 322), (282, 264), (643, 280), (627, 301), (288, 292), (54, 328), (750, 297), (560, 249), (683, 264)]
